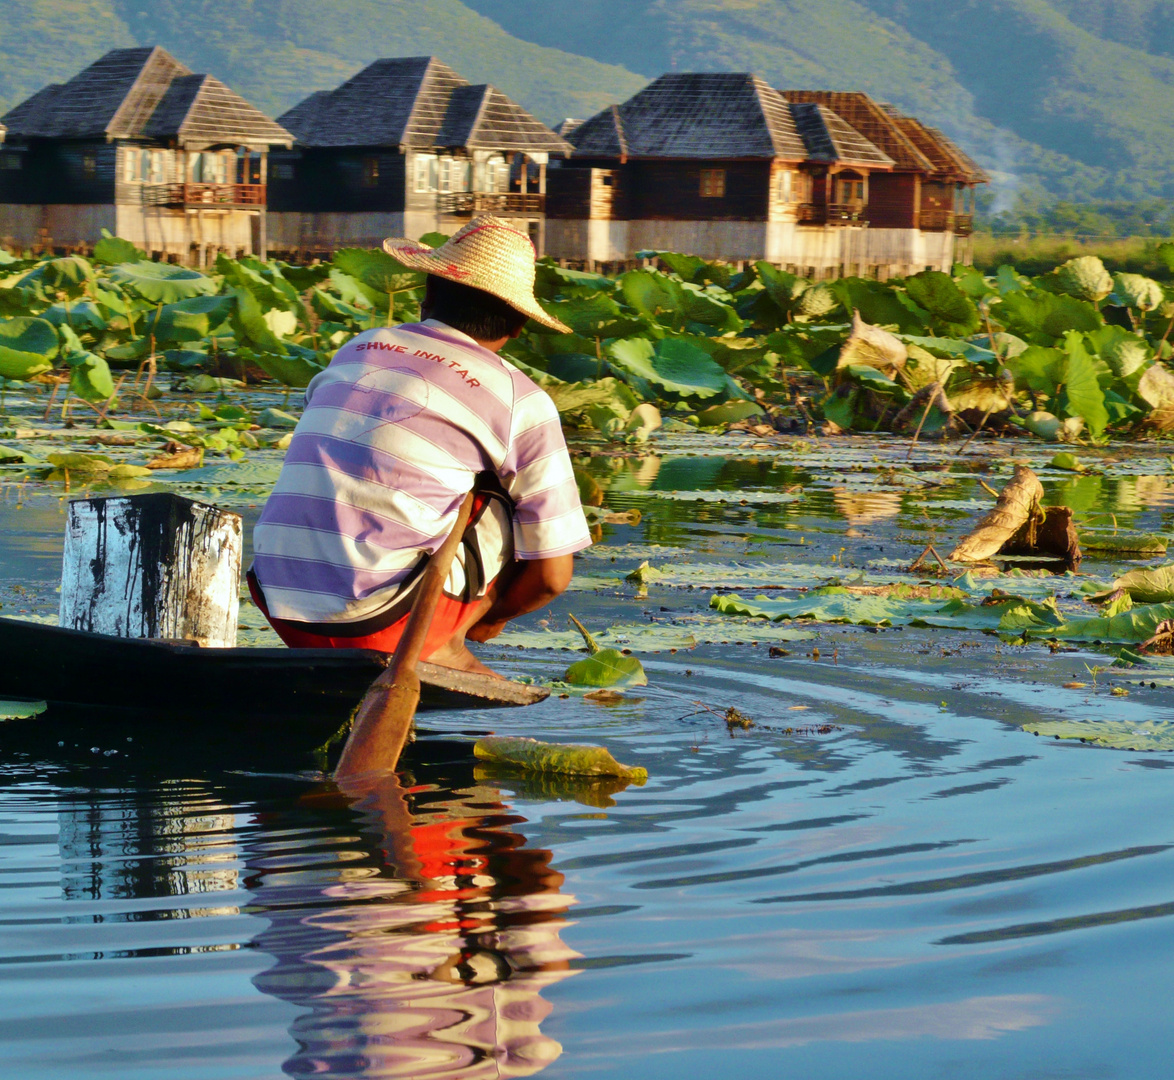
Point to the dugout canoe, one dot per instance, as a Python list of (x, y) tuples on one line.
[(307, 691)]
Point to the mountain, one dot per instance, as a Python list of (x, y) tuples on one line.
[(1069, 97), (1057, 98), (275, 52)]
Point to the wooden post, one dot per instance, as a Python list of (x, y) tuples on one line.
[(263, 254), (152, 566)]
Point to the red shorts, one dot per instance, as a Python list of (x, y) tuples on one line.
[(451, 613)]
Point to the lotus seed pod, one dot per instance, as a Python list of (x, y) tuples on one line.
[(1137, 291), (1085, 278), (817, 301)]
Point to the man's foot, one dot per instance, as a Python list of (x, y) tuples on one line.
[(456, 655)]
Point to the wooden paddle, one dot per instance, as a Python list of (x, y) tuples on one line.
[(385, 715)]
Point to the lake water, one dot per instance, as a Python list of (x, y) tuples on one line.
[(884, 877)]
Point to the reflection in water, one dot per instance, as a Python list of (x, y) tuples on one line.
[(866, 507), (431, 964), (419, 943)]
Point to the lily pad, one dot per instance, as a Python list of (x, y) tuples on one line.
[(607, 667), (569, 758), (1112, 734)]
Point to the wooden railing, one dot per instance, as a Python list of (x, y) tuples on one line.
[(204, 195), (932, 219), (490, 202), (832, 214)]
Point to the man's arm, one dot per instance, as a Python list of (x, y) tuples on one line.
[(534, 584)]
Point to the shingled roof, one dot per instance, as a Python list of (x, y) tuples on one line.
[(199, 110), (695, 115), (873, 122), (482, 117), (829, 138), (951, 164), (143, 93)]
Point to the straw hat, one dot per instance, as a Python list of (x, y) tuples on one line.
[(487, 254)]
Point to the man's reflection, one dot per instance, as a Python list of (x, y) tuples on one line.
[(427, 951)]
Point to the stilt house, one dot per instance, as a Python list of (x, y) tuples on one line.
[(136, 143), (922, 214), (725, 166), (404, 148)]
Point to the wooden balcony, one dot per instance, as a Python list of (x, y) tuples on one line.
[(220, 196), (460, 203), (832, 214), (935, 220)]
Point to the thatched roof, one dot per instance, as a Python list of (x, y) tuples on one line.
[(143, 93), (830, 139), (567, 126), (695, 115), (483, 118), (416, 101), (951, 164), (873, 122)]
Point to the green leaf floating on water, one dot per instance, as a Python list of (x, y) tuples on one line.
[(603, 667), (1112, 734), (1152, 586), (1137, 624), (24, 710), (567, 758)]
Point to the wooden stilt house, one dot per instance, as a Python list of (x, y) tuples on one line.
[(719, 165), (725, 166), (405, 148), (925, 206), (136, 143)]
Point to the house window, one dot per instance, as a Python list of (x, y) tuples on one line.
[(713, 183), (850, 192), (157, 167), (89, 166), (370, 172), (283, 170), (130, 165), (785, 186), (454, 175), (425, 174), (10, 161)]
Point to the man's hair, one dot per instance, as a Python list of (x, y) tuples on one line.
[(471, 311)]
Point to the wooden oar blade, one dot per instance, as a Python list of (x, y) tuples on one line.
[(382, 725)]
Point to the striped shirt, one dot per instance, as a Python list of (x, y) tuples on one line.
[(394, 433)]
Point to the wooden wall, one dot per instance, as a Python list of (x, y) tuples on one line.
[(671, 191), (332, 181), (54, 172), (893, 200)]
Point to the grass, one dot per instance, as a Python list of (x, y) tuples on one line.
[(1035, 255)]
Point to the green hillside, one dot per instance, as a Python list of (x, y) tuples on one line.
[(275, 52), (1058, 98), (1073, 97)]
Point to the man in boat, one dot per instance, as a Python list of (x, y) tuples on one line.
[(401, 425)]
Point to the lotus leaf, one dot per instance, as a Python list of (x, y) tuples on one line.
[(294, 366), (606, 667), (1127, 544), (1152, 586), (377, 270), (1085, 278), (1124, 352), (1138, 624), (112, 250), (676, 367), (1046, 314), (1038, 369), (876, 304), (594, 316), (1111, 734), (89, 376), (872, 347), (275, 418), (21, 710), (1051, 428), (1136, 291), (1086, 399), (189, 320), (783, 288), (729, 413), (567, 758), (162, 283), (951, 309), (817, 301), (27, 347), (83, 316)]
